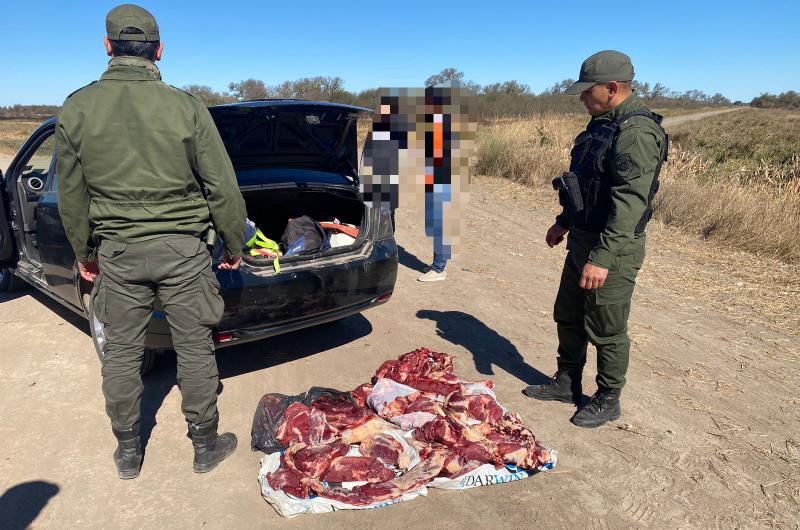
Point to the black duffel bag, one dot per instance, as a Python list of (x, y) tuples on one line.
[(303, 235)]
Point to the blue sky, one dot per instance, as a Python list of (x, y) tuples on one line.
[(737, 48)]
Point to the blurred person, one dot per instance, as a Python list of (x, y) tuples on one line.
[(438, 175), (142, 173), (607, 197)]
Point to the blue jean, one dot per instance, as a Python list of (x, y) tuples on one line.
[(434, 224)]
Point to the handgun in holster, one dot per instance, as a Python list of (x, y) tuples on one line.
[(569, 190), (211, 237)]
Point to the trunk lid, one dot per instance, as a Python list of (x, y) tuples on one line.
[(272, 141)]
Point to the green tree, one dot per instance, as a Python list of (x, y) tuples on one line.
[(452, 74), (248, 89)]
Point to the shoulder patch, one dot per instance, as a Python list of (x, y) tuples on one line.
[(624, 164), (81, 88)]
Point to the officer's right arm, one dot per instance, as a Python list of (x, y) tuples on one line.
[(225, 201), (73, 198)]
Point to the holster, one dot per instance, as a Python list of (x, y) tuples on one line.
[(569, 192)]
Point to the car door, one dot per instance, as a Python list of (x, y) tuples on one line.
[(58, 259), (55, 251), (8, 251)]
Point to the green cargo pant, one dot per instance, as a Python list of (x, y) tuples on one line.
[(599, 316), (178, 269)]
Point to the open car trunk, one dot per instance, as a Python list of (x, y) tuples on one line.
[(270, 209), (295, 158)]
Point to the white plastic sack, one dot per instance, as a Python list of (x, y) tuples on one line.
[(385, 391), (340, 239), (488, 475), (485, 475)]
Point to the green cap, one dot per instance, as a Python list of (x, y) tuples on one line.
[(602, 67), (131, 16)]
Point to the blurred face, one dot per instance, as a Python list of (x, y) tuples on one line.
[(599, 99)]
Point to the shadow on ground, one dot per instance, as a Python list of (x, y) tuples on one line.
[(251, 357), (65, 314), (488, 347), (13, 295), (21, 504), (231, 361), (410, 261)]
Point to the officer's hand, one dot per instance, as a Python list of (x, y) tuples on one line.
[(555, 235), (593, 277), (230, 264), (88, 270)]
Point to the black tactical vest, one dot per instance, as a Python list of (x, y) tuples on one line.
[(589, 161)]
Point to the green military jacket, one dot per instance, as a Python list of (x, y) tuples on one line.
[(131, 153), (635, 155)]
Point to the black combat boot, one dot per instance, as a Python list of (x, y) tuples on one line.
[(209, 448), (564, 386), (603, 407), (128, 456)]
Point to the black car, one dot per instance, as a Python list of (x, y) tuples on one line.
[(292, 158)]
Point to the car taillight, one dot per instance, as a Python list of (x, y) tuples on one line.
[(384, 219), (224, 336), (384, 297)]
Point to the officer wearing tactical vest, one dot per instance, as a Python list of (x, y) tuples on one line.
[(142, 173), (607, 197)]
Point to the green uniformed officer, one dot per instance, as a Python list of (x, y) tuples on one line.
[(607, 196), (142, 174)]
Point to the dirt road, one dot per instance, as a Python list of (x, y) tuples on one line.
[(677, 120), (709, 435)]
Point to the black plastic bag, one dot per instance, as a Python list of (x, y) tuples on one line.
[(269, 415)]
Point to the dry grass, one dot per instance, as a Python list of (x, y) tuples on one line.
[(530, 151), (13, 133), (739, 188)]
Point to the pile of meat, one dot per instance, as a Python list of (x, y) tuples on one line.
[(418, 421)]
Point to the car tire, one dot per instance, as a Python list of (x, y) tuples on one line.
[(10, 282), (150, 354)]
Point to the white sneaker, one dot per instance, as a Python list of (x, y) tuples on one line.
[(432, 276)]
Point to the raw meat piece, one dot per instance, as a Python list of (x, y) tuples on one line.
[(420, 362), (481, 407), (416, 402), (459, 439), (456, 465), (341, 413), (430, 384), (360, 394), (483, 451), (441, 430), (291, 481), (357, 469), (415, 419), (320, 432), (386, 449), (314, 460), (425, 402), (295, 426), (425, 370), (368, 494), (372, 426)]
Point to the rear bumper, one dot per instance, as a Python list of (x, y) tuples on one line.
[(261, 304)]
